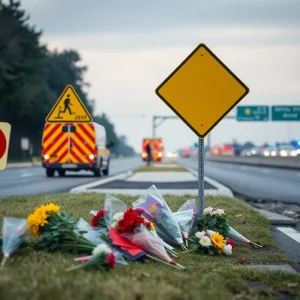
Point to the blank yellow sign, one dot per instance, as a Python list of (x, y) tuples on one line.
[(202, 90), (69, 108)]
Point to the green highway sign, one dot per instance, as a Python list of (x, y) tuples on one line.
[(253, 113), (286, 113)]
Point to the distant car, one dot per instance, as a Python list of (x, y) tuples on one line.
[(270, 151), (186, 152), (286, 150), (283, 150)]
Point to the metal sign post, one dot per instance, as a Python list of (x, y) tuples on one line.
[(201, 91), (200, 178)]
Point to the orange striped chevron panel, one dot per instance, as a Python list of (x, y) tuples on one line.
[(64, 143), (156, 147)]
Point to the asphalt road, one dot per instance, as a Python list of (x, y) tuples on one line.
[(33, 181), (253, 183)]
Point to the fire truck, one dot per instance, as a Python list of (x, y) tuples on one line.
[(156, 147)]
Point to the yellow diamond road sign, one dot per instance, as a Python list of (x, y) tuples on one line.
[(202, 90), (69, 108)]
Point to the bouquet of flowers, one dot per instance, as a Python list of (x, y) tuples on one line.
[(14, 232), (157, 211), (211, 243), (131, 226), (54, 230), (98, 219), (215, 220), (102, 258)]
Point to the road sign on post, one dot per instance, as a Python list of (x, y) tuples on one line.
[(286, 113), (5, 129), (253, 113), (69, 108), (202, 91)]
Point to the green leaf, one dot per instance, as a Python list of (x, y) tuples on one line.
[(212, 222)]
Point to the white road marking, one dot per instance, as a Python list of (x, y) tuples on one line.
[(292, 233), (26, 175), (266, 171)]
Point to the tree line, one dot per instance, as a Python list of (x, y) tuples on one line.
[(31, 79)]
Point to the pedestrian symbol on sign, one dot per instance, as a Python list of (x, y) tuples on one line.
[(67, 102)]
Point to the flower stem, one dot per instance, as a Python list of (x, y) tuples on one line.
[(4, 261), (74, 268), (172, 253), (255, 245), (161, 261), (183, 247)]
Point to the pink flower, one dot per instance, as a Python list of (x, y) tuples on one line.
[(231, 242), (139, 210)]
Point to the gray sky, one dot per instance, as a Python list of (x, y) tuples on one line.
[(130, 47)]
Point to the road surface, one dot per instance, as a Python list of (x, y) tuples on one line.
[(33, 181), (253, 183)]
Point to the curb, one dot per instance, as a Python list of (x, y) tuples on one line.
[(276, 219), (139, 192), (85, 187), (222, 189)]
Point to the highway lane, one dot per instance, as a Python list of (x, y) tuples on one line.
[(33, 181), (253, 182)]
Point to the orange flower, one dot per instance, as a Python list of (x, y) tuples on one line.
[(218, 240)]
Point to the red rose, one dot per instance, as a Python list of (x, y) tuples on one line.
[(98, 217), (111, 260), (125, 225), (206, 234), (130, 221), (231, 242)]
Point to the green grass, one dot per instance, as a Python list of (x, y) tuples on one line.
[(39, 275), (160, 169)]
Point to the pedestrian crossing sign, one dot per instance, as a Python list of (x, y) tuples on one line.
[(69, 108)]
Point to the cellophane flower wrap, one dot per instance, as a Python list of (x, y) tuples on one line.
[(14, 232), (150, 226), (157, 211), (112, 206), (185, 221), (190, 204), (143, 239)]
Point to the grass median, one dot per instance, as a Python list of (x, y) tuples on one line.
[(39, 275)]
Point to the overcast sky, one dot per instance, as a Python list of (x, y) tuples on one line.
[(131, 46)]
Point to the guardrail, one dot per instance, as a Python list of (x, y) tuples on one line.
[(278, 162)]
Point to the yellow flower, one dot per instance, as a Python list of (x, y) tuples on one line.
[(52, 208), (218, 240), (152, 227), (40, 216)]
